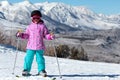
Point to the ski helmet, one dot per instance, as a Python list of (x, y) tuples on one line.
[(36, 12)]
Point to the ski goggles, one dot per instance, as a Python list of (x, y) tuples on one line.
[(35, 17)]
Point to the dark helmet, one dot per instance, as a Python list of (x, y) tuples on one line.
[(36, 12)]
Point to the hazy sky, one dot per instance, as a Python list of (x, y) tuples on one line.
[(98, 6)]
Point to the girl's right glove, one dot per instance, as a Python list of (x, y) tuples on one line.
[(19, 34)]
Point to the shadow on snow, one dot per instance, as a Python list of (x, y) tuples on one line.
[(87, 75)]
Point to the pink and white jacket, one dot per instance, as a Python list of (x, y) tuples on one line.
[(35, 33)]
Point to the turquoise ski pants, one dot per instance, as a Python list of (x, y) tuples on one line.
[(28, 60)]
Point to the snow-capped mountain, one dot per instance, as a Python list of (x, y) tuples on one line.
[(59, 15), (2, 15)]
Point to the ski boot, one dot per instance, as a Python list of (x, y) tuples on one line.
[(42, 73), (25, 73)]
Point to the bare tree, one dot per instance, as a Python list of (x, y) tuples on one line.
[(2, 38)]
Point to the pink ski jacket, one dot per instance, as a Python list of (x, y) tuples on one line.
[(35, 33)]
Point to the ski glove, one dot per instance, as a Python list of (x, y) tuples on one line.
[(19, 34), (50, 37)]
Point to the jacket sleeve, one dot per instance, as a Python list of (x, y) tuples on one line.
[(46, 34)]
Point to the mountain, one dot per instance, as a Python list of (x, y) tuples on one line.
[(2, 15), (60, 16), (70, 69), (98, 34)]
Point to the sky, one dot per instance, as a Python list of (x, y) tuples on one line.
[(107, 7)]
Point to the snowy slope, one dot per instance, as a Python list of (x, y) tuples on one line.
[(59, 15), (70, 69), (2, 15)]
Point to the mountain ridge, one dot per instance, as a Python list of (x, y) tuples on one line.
[(78, 17)]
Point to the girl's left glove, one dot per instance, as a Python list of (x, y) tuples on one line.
[(52, 36)]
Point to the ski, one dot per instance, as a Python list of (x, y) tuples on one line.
[(46, 78)]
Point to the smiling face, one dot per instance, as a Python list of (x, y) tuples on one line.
[(36, 19)]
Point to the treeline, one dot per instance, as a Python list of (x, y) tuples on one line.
[(62, 50)]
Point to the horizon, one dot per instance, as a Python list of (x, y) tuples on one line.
[(99, 6)]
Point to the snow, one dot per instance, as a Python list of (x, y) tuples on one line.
[(46, 6), (104, 25), (70, 69), (94, 42), (5, 3), (24, 3)]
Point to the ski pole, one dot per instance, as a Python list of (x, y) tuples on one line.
[(15, 56), (16, 53), (57, 59), (52, 31)]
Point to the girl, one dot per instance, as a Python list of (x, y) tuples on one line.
[(35, 33)]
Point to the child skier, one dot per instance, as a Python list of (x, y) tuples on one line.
[(35, 33)]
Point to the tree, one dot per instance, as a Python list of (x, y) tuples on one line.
[(2, 37), (78, 54), (63, 51)]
